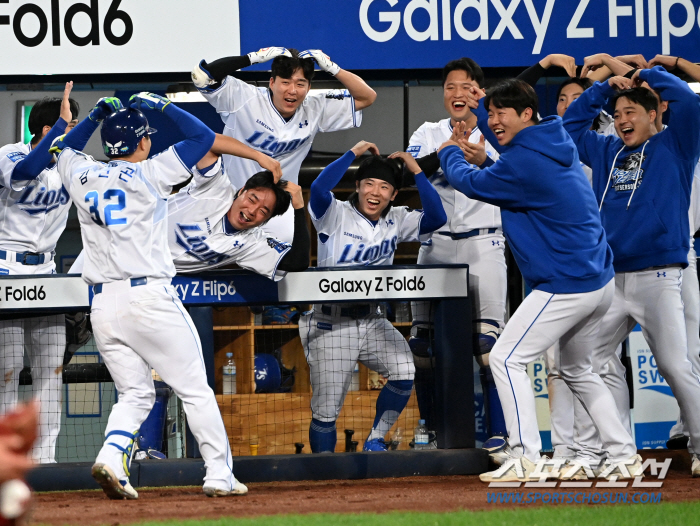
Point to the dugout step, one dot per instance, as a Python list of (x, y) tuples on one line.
[(270, 468)]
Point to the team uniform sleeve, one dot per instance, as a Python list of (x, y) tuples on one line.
[(497, 185), (212, 179), (683, 133), (71, 162), (418, 145), (409, 227), (580, 116), (165, 170), (263, 256), (337, 108), (231, 96), (9, 157)]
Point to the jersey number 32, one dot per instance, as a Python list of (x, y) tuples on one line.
[(110, 209)]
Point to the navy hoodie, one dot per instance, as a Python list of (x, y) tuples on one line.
[(548, 209), (650, 227)]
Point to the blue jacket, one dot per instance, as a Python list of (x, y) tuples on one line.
[(647, 226), (548, 209)]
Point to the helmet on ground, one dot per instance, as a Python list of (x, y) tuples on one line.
[(122, 131)]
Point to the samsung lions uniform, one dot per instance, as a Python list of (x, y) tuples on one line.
[(200, 236), (137, 318), (250, 116), (33, 214)]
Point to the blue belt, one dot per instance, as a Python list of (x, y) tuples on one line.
[(350, 312), (471, 233), (25, 258), (135, 282)]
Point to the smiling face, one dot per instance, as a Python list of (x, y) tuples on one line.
[(251, 208), (505, 123), (633, 123), (457, 85), (288, 94), (569, 94), (373, 196)]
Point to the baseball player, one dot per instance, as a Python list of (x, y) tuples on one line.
[(211, 224), (282, 119), (137, 318), (364, 230), (647, 225), (33, 212), (472, 235), (561, 250)]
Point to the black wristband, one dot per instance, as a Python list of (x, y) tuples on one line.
[(631, 72)]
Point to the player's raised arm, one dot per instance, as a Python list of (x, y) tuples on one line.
[(228, 145), (534, 73), (80, 135), (198, 137), (207, 75), (673, 63), (297, 259), (433, 212), (322, 187), (364, 95), (39, 158)]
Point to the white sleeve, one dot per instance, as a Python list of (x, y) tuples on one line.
[(409, 224), (8, 162), (72, 162), (214, 180), (418, 146), (337, 109), (231, 96), (263, 256), (330, 220), (164, 171)]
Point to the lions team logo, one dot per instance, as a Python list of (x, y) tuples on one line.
[(624, 176)]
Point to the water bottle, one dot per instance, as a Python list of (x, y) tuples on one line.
[(229, 374), (420, 438)]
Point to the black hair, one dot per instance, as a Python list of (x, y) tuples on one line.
[(464, 64), (284, 67), (642, 96), (583, 83), (513, 93), (45, 113), (265, 179), (375, 167)]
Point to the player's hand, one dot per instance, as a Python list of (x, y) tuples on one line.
[(65, 112), (448, 143), (104, 107), (459, 131), (635, 80), (593, 62), (324, 61), (636, 61), (58, 145), (363, 146), (563, 61), (408, 160), (22, 423), (268, 163), (474, 95), (667, 61), (148, 101), (474, 153), (620, 83), (294, 191), (268, 53)]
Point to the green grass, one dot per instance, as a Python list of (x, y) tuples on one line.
[(662, 514)]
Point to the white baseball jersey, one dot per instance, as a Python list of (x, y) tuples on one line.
[(200, 235), (463, 214), (123, 210), (250, 116), (347, 238), (33, 213)]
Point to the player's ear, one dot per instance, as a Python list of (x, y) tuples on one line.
[(357, 186), (272, 81), (393, 196)]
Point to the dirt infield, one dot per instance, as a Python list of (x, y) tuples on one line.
[(378, 495)]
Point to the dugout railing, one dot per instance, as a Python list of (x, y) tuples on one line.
[(217, 301)]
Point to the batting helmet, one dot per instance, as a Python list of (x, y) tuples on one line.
[(122, 131)]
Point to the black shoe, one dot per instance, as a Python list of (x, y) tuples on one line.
[(677, 442)]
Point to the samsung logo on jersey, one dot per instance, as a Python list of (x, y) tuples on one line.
[(363, 255), (270, 145), (41, 201), (261, 123), (354, 236)]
